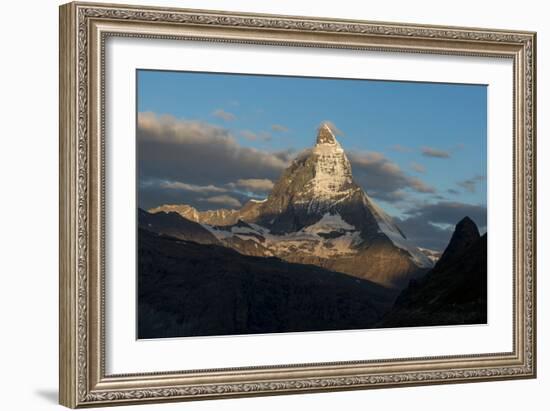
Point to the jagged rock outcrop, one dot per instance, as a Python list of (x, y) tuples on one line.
[(174, 225), (465, 234), (220, 217), (454, 291)]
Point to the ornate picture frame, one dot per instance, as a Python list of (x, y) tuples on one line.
[(84, 29)]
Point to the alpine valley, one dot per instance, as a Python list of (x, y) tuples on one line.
[(316, 254)]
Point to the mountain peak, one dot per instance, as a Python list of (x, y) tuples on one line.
[(466, 233), (317, 214), (467, 225), (325, 135)]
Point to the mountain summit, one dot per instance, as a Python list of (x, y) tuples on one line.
[(332, 178), (315, 182), (317, 214), (326, 135), (466, 233)]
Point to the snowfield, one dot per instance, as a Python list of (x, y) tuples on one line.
[(344, 237)]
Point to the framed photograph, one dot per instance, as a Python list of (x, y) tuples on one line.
[(259, 204)]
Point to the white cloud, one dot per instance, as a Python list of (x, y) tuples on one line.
[(383, 178), (400, 149), (470, 185), (223, 200), (178, 185), (279, 128), (255, 184), (431, 224), (419, 168), (249, 135), (252, 136), (224, 115), (172, 149), (435, 153)]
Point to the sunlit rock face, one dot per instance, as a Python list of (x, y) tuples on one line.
[(317, 214)]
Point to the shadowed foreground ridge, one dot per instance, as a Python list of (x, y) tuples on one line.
[(191, 289), (454, 291)]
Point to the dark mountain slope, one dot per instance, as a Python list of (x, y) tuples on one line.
[(172, 224), (465, 234), (189, 289), (454, 291)]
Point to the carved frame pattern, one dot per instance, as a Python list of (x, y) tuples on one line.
[(83, 383)]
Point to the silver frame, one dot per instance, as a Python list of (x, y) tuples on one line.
[(84, 28)]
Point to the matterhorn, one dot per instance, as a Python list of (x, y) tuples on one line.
[(315, 214)]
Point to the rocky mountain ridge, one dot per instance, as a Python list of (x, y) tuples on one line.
[(454, 291), (317, 214)]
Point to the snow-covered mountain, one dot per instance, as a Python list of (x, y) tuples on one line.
[(221, 216), (316, 214)]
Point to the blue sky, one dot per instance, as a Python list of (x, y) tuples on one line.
[(434, 133)]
